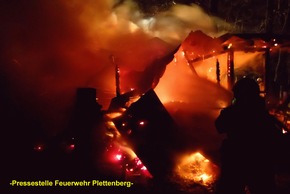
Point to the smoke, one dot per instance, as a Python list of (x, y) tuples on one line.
[(50, 48)]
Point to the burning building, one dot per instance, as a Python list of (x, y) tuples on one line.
[(160, 87)]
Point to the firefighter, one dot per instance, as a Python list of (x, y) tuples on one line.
[(247, 152)]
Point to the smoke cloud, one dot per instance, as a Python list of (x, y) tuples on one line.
[(50, 48)]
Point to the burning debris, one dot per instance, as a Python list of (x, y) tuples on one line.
[(195, 170), (118, 154)]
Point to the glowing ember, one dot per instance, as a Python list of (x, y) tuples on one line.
[(142, 123), (118, 156), (38, 148), (114, 115), (72, 146), (144, 168)]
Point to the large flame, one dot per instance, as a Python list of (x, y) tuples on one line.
[(50, 48)]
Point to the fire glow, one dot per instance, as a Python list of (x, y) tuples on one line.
[(72, 46), (196, 168), (119, 153)]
